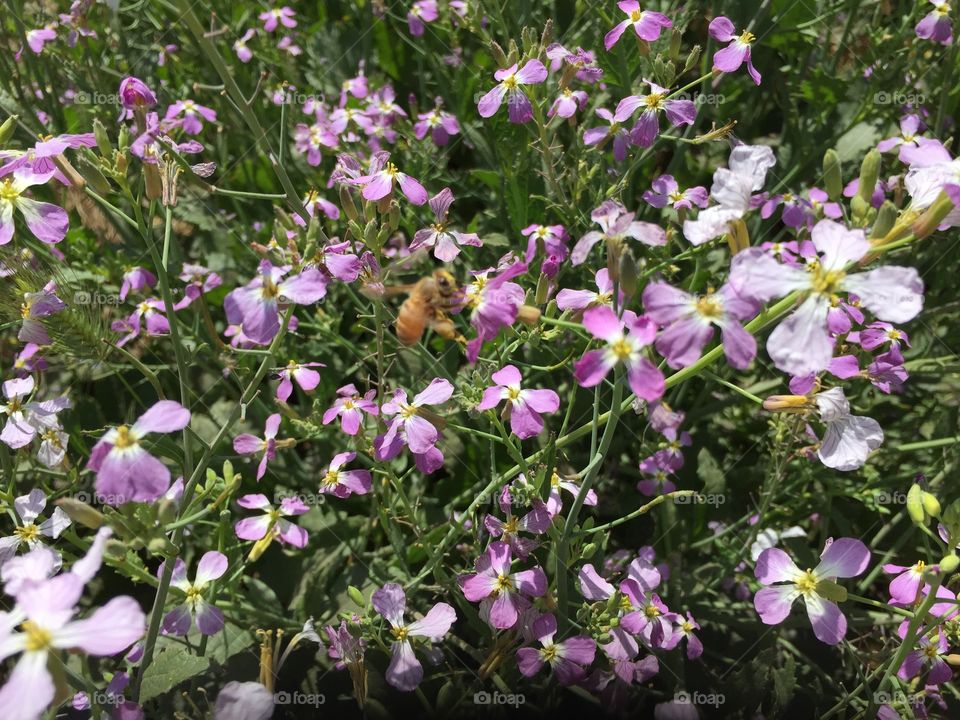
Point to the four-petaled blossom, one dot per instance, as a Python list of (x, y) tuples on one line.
[(620, 135), (410, 427), (848, 439), (148, 316), (646, 23), (192, 113), (665, 191), (47, 222), (679, 112), (504, 593), (802, 344), (383, 175), (616, 224), (683, 628), (931, 654), (936, 25), (730, 58), (209, 619), (405, 672), (344, 483), (687, 321), (625, 339), (125, 471), (349, 407), (910, 126), (568, 659), (301, 373), (523, 406), (247, 444), (567, 103), (136, 278), (579, 300), (511, 81), (842, 558), (446, 243), (272, 524), (28, 508), (27, 418), (536, 522), (440, 124), (272, 19), (905, 587), (421, 12)]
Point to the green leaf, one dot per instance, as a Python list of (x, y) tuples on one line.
[(170, 668), (710, 473)]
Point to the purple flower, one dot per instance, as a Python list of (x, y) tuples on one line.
[(579, 300), (802, 344), (931, 654), (247, 444), (665, 190), (658, 474), (410, 425), (842, 558), (683, 628), (125, 471), (135, 95), (567, 103), (136, 278), (645, 132), (192, 114), (687, 321), (511, 81), (616, 225), (382, 178), (441, 125), (245, 701), (555, 500), (446, 243), (906, 586), (272, 19), (28, 508), (422, 11), (524, 406), (937, 25), (848, 439), (209, 619), (737, 52), (646, 24), (405, 672), (349, 407), (42, 623), (272, 524), (910, 126), (27, 418), (536, 522), (200, 280), (551, 241), (150, 313), (47, 222), (311, 139), (302, 374), (881, 333), (494, 303), (37, 37), (256, 306), (502, 593), (620, 135), (625, 339), (344, 483), (567, 659), (240, 47)]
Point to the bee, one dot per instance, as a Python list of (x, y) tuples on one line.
[(428, 301)]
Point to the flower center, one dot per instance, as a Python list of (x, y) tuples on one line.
[(513, 393), (807, 582), (7, 191), (269, 290), (331, 477), (635, 15), (548, 653), (193, 594), (676, 196), (621, 349), (747, 38), (826, 282), (37, 637), (408, 411), (709, 307), (503, 584), (400, 633), (651, 611), (511, 526), (510, 82), (894, 334), (125, 438), (27, 533), (654, 101)]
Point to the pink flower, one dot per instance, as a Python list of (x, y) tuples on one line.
[(683, 628), (802, 344), (849, 439), (931, 653), (192, 114), (625, 339), (422, 11), (441, 125), (910, 126), (658, 473), (26, 419), (502, 594), (646, 24), (511, 81), (272, 19), (567, 659), (410, 427), (536, 522), (383, 177), (842, 558), (446, 243), (200, 280), (125, 471), (687, 321), (42, 624), (737, 52), (31, 528), (40, 304), (665, 190), (151, 311), (256, 306), (494, 304), (578, 300), (616, 225), (620, 135), (209, 619), (935, 26), (134, 94), (136, 278), (349, 407), (344, 483), (555, 500), (906, 586), (240, 47), (302, 374), (551, 241), (645, 132), (311, 139), (47, 222), (524, 406), (272, 525), (38, 37), (247, 444), (405, 672), (567, 103)]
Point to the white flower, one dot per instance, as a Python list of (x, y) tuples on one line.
[(849, 439)]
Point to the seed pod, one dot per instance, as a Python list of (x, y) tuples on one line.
[(832, 176), (81, 513), (629, 273)]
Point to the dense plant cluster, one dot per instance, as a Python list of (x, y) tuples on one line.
[(466, 358)]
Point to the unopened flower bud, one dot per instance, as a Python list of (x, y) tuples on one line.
[(949, 563), (886, 217), (356, 596), (915, 504), (166, 511), (528, 315), (134, 94), (91, 173), (6, 130), (947, 200), (869, 174), (499, 56), (931, 506), (103, 139), (692, 59), (81, 513), (629, 273), (832, 176), (786, 403), (115, 549), (152, 183), (589, 550), (348, 205)]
